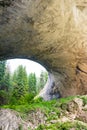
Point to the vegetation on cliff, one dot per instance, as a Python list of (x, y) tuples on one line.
[(62, 114)]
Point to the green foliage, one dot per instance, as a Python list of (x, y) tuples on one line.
[(4, 97), (2, 73), (67, 99), (29, 128), (2, 69), (13, 101), (4, 83), (21, 77), (7, 79), (84, 98), (20, 83), (18, 88), (46, 106), (42, 81), (32, 83), (63, 126), (38, 100), (20, 127), (26, 99)]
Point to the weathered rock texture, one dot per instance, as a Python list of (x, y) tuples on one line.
[(10, 120), (51, 32)]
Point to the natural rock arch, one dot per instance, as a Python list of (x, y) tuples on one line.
[(51, 32)]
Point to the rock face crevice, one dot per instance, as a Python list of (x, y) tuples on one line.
[(53, 33)]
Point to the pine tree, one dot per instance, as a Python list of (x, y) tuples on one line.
[(42, 80), (2, 73), (32, 83), (7, 78), (4, 80), (20, 83)]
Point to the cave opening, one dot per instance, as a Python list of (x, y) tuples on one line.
[(21, 79)]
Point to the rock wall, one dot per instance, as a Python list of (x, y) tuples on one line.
[(53, 33)]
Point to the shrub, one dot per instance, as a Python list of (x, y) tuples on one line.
[(13, 101), (26, 99), (4, 97), (84, 98), (38, 100)]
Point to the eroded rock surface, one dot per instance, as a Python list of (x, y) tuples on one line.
[(51, 32), (10, 120)]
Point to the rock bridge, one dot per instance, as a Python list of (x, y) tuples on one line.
[(52, 33)]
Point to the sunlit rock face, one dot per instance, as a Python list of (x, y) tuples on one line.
[(51, 32)]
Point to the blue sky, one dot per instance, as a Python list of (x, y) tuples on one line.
[(30, 66)]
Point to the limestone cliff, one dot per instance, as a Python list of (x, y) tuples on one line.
[(51, 32)]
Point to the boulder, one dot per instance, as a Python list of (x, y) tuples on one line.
[(10, 120)]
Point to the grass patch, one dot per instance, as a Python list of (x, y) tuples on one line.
[(63, 126), (84, 98), (50, 108)]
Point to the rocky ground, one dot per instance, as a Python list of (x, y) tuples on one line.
[(10, 120), (62, 115)]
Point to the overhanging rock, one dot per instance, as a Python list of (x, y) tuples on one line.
[(51, 32)]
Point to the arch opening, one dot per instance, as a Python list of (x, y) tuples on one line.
[(38, 80), (21, 76), (33, 70), (45, 81)]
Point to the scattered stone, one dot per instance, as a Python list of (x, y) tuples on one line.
[(82, 116), (79, 102), (36, 118), (72, 106)]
